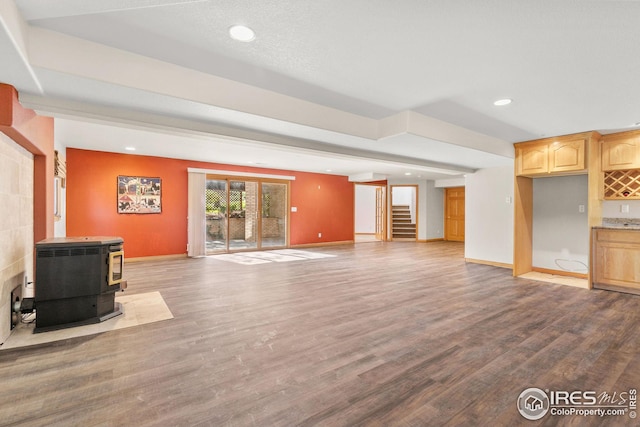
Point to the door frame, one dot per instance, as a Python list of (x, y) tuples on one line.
[(259, 181), (390, 209), (383, 213)]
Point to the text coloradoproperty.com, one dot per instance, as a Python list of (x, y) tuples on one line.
[(600, 412)]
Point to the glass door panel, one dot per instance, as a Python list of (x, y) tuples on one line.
[(274, 215), (216, 215), (243, 215)]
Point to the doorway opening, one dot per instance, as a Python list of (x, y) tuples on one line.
[(245, 214), (404, 212), (370, 213)]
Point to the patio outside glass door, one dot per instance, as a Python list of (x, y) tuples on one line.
[(216, 202), (274, 215), (245, 215)]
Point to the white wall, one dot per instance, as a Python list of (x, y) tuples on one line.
[(451, 182), (560, 231), (16, 226), (365, 209), (611, 209), (434, 208), (488, 216)]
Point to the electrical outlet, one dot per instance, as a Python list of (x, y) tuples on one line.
[(624, 208), (581, 208), (319, 235)]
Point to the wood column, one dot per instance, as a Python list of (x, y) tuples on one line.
[(523, 225)]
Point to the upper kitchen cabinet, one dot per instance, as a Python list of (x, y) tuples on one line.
[(532, 158), (563, 155), (621, 151)]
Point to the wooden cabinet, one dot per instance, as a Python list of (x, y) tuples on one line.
[(567, 156), (532, 159), (557, 156), (621, 151), (620, 154), (616, 260)]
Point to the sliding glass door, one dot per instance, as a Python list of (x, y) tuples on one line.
[(216, 202), (274, 214), (245, 215)]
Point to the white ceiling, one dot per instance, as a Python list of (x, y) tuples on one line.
[(358, 86)]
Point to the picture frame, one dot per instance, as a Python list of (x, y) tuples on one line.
[(139, 194)]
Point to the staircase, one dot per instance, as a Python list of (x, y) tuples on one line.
[(402, 226)]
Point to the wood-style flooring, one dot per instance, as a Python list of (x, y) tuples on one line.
[(384, 334)]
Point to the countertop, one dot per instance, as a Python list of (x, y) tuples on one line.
[(620, 223), (618, 227)]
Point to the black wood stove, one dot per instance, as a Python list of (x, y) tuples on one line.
[(76, 281)]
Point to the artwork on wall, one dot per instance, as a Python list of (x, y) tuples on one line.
[(138, 194)]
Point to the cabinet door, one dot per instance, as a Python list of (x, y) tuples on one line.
[(532, 159), (567, 156), (617, 258), (620, 154)]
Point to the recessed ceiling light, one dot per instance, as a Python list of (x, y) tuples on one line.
[(328, 170), (242, 33), (501, 102), (130, 148), (407, 173)]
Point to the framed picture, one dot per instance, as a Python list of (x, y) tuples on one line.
[(139, 195)]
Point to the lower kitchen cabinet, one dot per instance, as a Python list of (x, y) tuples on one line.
[(616, 259)]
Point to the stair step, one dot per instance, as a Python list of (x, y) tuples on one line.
[(402, 225)]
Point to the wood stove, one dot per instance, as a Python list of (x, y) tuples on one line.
[(76, 281)]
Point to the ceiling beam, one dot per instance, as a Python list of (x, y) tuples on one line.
[(75, 109), (46, 9)]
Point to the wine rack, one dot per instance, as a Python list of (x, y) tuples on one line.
[(622, 184)]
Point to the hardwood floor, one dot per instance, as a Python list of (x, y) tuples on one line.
[(384, 334)]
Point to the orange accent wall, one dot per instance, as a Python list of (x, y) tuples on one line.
[(35, 134), (324, 202)]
